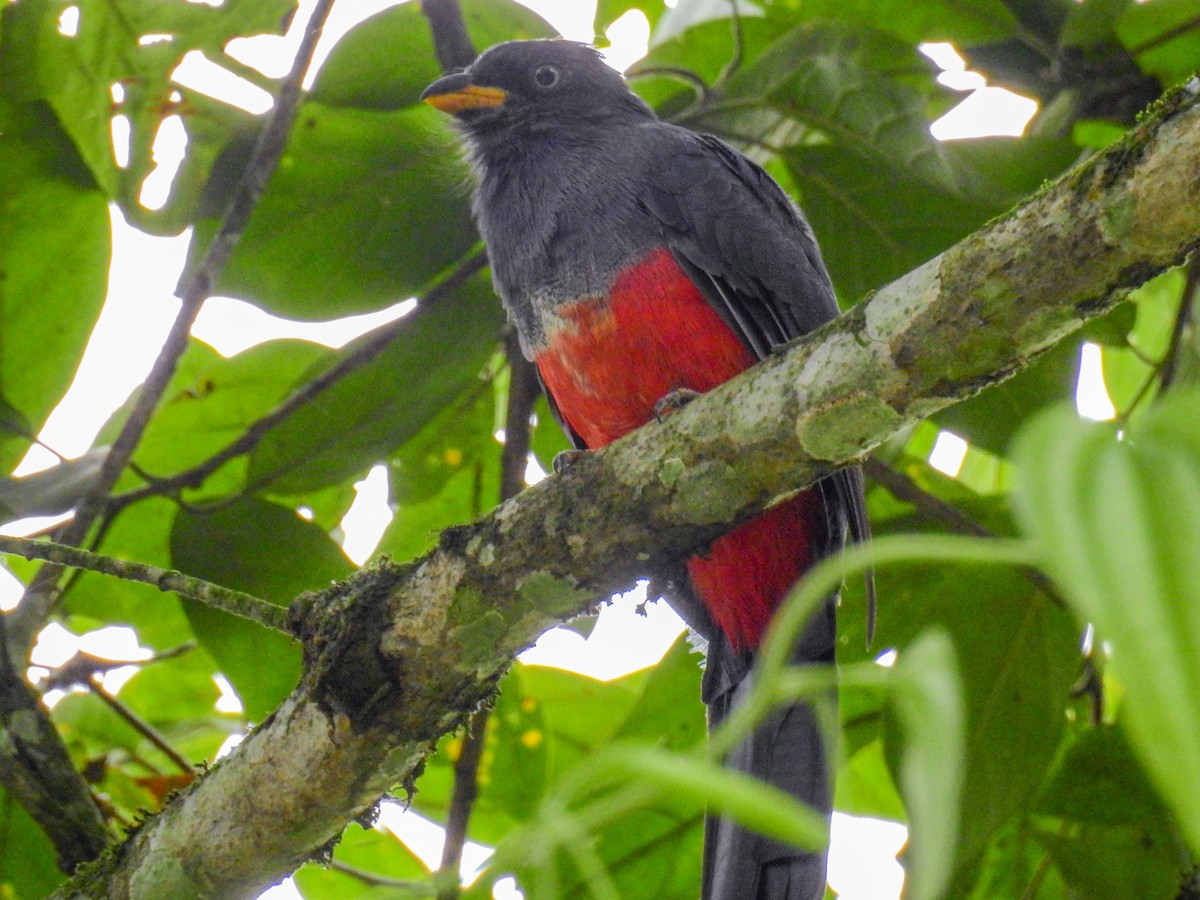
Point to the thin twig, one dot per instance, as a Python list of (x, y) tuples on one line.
[(83, 666), (376, 342), (739, 45), (522, 394), (1183, 318), (1169, 35), (416, 888), (225, 599), (462, 801), (904, 488), (451, 43), (141, 726), (41, 596)]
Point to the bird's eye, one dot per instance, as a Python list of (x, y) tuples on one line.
[(545, 76)]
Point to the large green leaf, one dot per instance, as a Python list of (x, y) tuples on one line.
[(75, 75), (1167, 31), (1015, 670), (926, 699), (28, 865), (957, 21), (456, 439), (875, 223), (1111, 837), (1118, 522), (209, 403), (653, 848), (264, 550), (544, 721), (608, 11), (858, 88), (365, 209), (386, 61), (374, 410), (54, 254)]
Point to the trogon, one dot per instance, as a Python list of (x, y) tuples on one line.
[(642, 263)]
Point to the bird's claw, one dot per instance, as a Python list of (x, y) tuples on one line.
[(564, 458), (673, 401)]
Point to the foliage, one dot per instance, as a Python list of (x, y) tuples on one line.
[(1014, 784)]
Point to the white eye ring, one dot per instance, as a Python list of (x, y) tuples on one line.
[(545, 77)]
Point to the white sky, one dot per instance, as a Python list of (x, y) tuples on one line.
[(140, 308)]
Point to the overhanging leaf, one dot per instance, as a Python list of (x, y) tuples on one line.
[(1119, 523)]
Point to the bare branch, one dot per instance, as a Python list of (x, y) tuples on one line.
[(225, 599)]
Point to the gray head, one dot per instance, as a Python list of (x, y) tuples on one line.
[(528, 87)]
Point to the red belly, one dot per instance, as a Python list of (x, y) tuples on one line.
[(613, 359)]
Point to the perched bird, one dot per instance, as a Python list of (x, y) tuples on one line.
[(641, 264)]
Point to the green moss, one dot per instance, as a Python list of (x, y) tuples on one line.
[(552, 594), (475, 642), (863, 414), (670, 471)]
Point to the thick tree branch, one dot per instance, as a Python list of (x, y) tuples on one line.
[(397, 656)]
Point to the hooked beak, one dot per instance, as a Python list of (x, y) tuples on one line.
[(455, 93)]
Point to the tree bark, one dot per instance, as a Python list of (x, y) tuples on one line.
[(398, 655)]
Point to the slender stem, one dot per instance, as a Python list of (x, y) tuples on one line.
[(1183, 318), (904, 488), (451, 43), (144, 728), (522, 394), (222, 598), (378, 341)]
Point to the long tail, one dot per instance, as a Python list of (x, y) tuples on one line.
[(788, 751)]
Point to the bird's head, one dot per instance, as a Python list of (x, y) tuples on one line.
[(534, 86)]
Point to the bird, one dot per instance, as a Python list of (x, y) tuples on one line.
[(643, 264)]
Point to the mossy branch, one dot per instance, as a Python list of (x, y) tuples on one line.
[(399, 655)]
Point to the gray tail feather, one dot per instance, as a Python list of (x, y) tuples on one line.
[(789, 751)]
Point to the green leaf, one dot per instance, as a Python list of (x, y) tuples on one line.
[(1119, 520), (385, 61), (28, 865), (865, 786), (928, 702), (1113, 838), (209, 404), (876, 222), (380, 193), (958, 21), (227, 546), (727, 792), (415, 527), (668, 711), (1017, 655), (992, 417), (75, 74), (545, 720), (457, 438), (54, 255), (608, 11), (367, 415)]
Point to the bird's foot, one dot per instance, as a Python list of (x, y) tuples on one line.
[(565, 458), (673, 401)]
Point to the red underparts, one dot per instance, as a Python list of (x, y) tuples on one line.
[(613, 358)]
